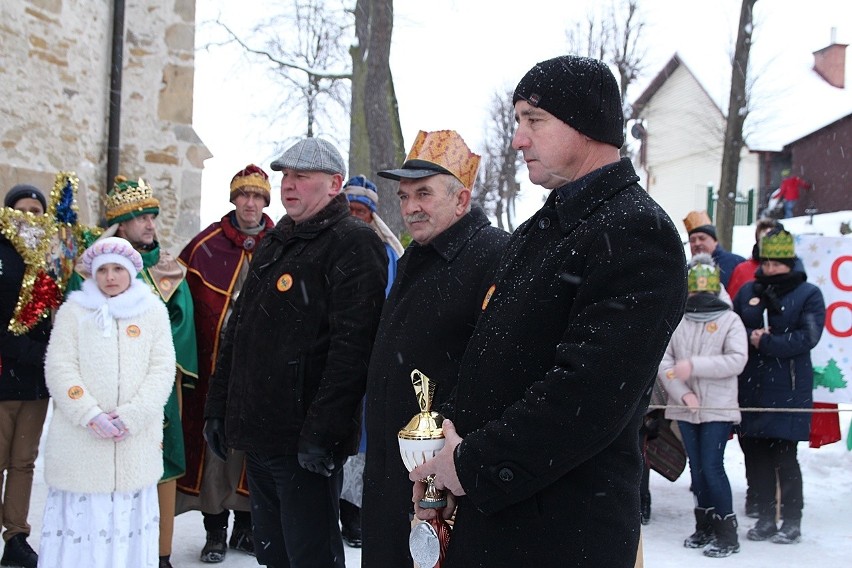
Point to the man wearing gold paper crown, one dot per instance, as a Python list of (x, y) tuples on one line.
[(542, 438), (702, 239), (289, 379), (23, 393), (428, 317), (217, 262), (131, 213)]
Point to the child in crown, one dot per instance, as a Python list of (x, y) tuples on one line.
[(699, 370), (109, 367)]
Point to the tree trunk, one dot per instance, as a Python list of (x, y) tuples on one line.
[(375, 134), (737, 112), (359, 141)]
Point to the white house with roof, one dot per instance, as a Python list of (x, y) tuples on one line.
[(798, 110)]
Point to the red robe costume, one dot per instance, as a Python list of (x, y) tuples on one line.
[(213, 260)]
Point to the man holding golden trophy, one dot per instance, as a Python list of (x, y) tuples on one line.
[(441, 279)]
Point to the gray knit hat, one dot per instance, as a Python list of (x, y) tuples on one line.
[(311, 155), (581, 92)]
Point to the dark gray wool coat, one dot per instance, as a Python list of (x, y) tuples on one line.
[(426, 322), (557, 376), (293, 363)]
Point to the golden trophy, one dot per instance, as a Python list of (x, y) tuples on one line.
[(420, 440)]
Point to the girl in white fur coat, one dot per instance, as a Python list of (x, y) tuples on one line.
[(109, 368)]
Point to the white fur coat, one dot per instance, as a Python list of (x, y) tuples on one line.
[(108, 354)]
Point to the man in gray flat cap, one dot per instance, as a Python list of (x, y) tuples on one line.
[(292, 366)]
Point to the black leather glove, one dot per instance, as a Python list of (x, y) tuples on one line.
[(316, 459), (214, 433)]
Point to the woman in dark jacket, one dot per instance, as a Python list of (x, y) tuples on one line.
[(784, 317)]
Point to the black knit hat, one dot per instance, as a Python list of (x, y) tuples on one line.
[(22, 191), (707, 230), (581, 92)]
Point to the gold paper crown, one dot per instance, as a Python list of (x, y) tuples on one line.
[(703, 278), (446, 148), (696, 219), (777, 245), (130, 199)]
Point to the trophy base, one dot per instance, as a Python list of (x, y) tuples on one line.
[(433, 503)]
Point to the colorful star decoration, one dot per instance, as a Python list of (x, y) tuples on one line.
[(49, 245)]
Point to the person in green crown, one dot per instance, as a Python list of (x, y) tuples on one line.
[(131, 213)]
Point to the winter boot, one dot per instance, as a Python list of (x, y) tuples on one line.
[(645, 508), (19, 553), (725, 542), (752, 509), (789, 533), (216, 546), (703, 529), (350, 523), (764, 529), (242, 540)]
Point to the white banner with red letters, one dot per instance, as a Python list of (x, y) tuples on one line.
[(828, 264)]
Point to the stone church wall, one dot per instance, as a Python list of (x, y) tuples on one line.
[(54, 102)]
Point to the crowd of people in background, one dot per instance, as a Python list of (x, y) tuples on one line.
[(265, 369)]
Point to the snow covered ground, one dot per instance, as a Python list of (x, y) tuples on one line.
[(827, 474), (826, 525)]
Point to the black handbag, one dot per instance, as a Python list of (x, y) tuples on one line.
[(664, 453)]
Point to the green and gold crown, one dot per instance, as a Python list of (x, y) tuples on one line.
[(703, 278), (777, 244), (129, 199)]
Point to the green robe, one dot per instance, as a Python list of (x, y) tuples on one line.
[(178, 301)]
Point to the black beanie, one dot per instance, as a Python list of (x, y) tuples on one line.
[(579, 91), (22, 191), (706, 229)]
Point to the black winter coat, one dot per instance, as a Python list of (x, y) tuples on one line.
[(557, 377), (21, 356), (293, 363), (779, 374), (426, 323)]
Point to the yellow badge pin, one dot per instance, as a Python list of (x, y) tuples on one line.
[(75, 392), (285, 282)]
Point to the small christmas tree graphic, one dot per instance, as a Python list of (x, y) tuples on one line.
[(830, 376)]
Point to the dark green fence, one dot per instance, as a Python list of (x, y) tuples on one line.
[(744, 209)]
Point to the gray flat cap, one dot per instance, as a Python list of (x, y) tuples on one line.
[(311, 155)]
